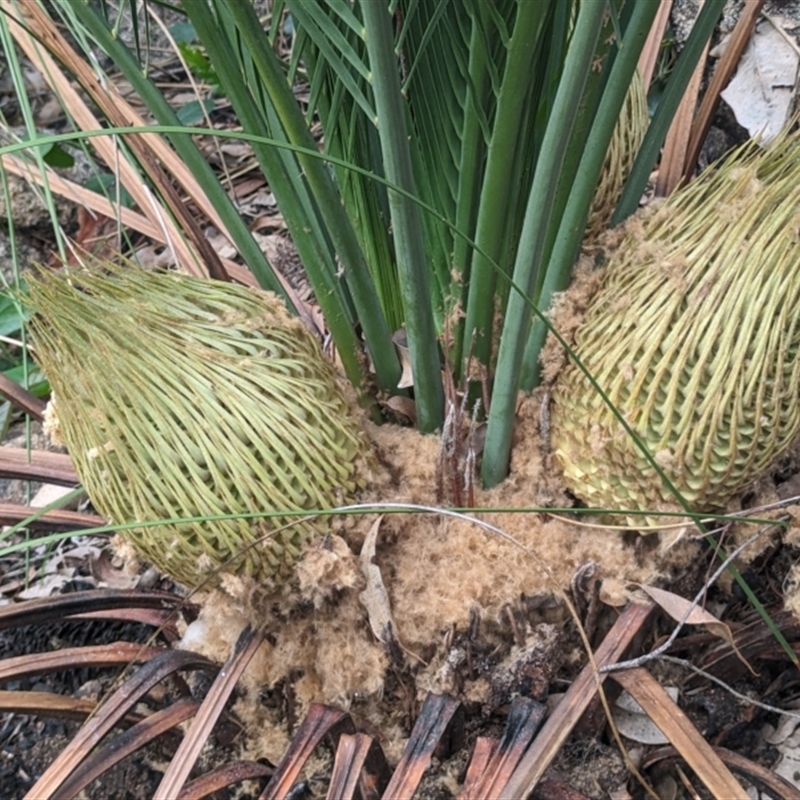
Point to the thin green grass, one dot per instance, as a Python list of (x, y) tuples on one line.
[(469, 513)]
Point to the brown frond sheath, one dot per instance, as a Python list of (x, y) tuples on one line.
[(164, 619), (440, 718), (47, 704), (321, 721), (223, 777), (498, 761), (123, 744), (560, 724), (105, 96), (21, 398), (206, 718), (358, 767), (37, 465), (360, 762), (756, 773), (118, 654), (109, 714), (58, 607), (722, 74), (58, 520), (678, 728)]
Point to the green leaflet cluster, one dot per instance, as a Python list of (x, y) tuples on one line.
[(181, 397), (694, 337)]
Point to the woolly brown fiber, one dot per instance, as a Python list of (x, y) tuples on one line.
[(438, 571)]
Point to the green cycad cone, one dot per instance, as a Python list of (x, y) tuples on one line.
[(622, 151), (180, 397), (694, 337)]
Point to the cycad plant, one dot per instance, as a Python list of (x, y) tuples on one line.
[(462, 146), (466, 142)]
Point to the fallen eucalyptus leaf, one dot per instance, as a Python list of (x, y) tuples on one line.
[(375, 598), (762, 90), (634, 724)]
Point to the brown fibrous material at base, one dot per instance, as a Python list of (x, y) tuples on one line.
[(439, 572), (440, 575), (439, 569)]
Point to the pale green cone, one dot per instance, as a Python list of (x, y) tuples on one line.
[(181, 397), (694, 336), (622, 151)]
